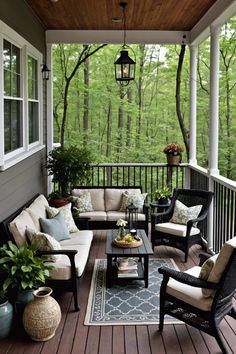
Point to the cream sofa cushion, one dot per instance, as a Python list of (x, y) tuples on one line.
[(62, 269), (189, 294), (18, 227), (95, 215), (82, 237), (113, 198), (220, 264), (176, 229), (37, 210), (115, 215), (97, 197)]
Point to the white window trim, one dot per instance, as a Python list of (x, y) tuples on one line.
[(14, 157)]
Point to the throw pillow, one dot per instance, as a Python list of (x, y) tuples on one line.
[(44, 242), (136, 199), (182, 214), (207, 267), (55, 227), (220, 264), (83, 203), (66, 213)]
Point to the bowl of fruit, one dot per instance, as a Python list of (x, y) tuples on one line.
[(128, 241)]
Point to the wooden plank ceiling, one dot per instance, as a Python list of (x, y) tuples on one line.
[(164, 15)]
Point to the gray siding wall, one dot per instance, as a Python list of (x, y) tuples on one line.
[(21, 182), (17, 15)]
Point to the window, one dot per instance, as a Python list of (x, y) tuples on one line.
[(33, 104), (20, 98), (12, 99)]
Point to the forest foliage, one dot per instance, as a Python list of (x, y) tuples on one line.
[(134, 124)]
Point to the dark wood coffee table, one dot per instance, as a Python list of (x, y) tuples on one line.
[(113, 252)]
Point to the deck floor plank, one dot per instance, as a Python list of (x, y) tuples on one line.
[(130, 340), (184, 339), (143, 340), (156, 342), (118, 345)]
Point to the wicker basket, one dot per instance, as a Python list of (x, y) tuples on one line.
[(123, 244)]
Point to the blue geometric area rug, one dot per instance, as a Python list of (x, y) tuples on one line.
[(126, 304)]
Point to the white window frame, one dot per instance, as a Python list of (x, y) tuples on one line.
[(9, 159)]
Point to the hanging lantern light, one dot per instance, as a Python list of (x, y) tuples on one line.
[(45, 72), (124, 65)]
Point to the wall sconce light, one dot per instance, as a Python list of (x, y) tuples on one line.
[(45, 72), (124, 65)]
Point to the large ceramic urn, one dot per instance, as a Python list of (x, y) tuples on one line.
[(42, 315)]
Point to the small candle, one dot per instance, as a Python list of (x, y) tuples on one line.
[(133, 232)]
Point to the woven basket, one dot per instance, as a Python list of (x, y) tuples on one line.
[(124, 244)]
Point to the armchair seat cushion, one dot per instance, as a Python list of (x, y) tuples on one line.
[(189, 294), (62, 268), (175, 229)]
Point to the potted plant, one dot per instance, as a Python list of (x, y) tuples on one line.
[(162, 195), (173, 152), (68, 166), (22, 270)]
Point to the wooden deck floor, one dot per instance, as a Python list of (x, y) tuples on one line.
[(73, 337)]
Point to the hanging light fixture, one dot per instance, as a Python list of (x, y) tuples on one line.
[(124, 65), (45, 72)]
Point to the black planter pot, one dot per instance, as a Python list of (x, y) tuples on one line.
[(163, 201)]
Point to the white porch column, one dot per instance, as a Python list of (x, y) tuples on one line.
[(193, 105), (214, 122), (49, 103)]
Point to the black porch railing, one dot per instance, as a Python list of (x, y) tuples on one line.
[(155, 176), (224, 204), (149, 176)]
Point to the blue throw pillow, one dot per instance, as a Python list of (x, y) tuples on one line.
[(55, 227)]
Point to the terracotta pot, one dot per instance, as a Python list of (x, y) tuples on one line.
[(173, 159), (57, 203), (42, 315)]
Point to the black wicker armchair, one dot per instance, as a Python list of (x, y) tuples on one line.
[(181, 296), (178, 234)]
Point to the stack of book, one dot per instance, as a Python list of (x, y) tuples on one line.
[(127, 269)]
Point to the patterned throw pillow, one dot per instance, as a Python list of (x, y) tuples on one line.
[(83, 203), (207, 267), (66, 213), (182, 214), (133, 198), (44, 242), (55, 227)]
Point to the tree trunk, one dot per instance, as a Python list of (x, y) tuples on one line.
[(129, 118), (86, 99), (109, 125), (120, 125), (184, 130), (139, 118)]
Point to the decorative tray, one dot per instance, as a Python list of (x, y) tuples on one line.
[(128, 241)]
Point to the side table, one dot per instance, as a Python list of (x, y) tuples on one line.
[(159, 207)]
